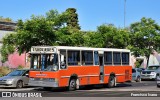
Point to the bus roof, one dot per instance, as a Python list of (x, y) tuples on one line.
[(83, 48)]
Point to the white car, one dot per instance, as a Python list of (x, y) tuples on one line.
[(158, 78), (150, 72)]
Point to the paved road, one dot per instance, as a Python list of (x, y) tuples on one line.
[(134, 85), (125, 90)]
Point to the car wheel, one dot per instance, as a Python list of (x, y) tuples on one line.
[(111, 81), (19, 84), (158, 86), (138, 79)]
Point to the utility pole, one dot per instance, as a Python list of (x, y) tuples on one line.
[(124, 13)]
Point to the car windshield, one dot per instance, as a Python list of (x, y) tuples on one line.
[(153, 67), (16, 73)]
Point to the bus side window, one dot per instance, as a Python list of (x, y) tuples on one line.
[(125, 58), (108, 58), (87, 57), (73, 57), (117, 58)]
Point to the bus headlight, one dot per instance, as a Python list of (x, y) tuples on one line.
[(51, 79)]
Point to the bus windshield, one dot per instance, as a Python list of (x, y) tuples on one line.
[(44, 62)]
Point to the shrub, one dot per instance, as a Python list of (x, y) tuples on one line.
[(4, 71), (1, 75), (20, 67)]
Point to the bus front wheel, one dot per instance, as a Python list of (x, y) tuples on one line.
[(72, 85), (111, 82)]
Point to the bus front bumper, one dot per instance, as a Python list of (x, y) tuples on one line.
[(43, 84), (148, 76)]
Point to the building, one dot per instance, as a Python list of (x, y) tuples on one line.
[(6, 28), (154, 58), (142, 59), (14, 60)]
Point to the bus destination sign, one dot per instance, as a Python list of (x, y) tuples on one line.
[(43, 49)]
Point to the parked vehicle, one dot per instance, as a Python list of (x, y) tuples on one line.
[(150, 72), (136, 74), (17, 78), (158, 78), (142, 69)]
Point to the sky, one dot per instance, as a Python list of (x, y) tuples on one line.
[(91, 13)]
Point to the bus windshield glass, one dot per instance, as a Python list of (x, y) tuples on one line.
[(44, 62)]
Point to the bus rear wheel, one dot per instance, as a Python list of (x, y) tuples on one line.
[(111, 82), (72, 85)]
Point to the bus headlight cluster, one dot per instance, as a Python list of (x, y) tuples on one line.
[(56, 80), (53, 80), (32, 79)]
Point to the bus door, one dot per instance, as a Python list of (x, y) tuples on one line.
[(101, 65)]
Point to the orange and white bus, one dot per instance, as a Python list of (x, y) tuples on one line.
[(65, 66)]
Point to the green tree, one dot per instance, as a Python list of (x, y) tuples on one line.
[(93, 39), (8, 46), (38, 30), (114, 37), (145, 36), (72, 20), (69, 37), (58, 20), (20, 25)]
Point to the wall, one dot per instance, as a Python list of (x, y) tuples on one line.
[(14, 60)]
